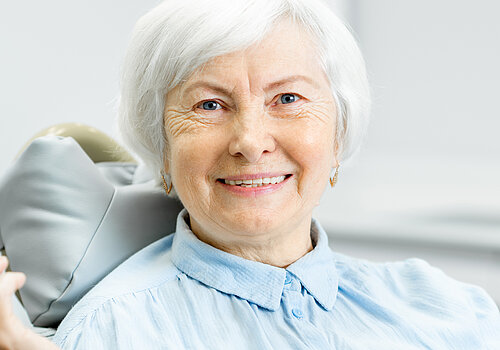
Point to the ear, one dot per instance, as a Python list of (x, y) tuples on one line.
[(166, 160), (335, 158)]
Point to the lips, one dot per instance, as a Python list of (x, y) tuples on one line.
[(256, 182), (245, 189), (253, 180)]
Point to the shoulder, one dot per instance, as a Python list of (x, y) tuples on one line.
[(147, 269), (416, 285)]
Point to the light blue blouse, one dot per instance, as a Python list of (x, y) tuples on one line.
[(180, 293)]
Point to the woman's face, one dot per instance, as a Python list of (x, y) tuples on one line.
[(264, 115)]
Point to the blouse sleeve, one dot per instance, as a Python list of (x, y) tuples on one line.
[(88, 328), (486, 313), (117, 323), (441, 294)]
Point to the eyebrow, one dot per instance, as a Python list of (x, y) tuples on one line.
[(270, 86), (291, 79)]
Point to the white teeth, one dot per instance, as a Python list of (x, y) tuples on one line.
[(277, 179), (256, 182)]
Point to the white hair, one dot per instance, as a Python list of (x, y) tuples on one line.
[(175, 38)]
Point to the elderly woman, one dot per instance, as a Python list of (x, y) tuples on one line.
[(244, 110)]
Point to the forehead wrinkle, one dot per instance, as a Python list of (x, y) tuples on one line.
[(211, 81), (291, 79), (207, 85)]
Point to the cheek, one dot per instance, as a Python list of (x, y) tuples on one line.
[(190, 143), (189, 164), (193, 157), (311, 143)]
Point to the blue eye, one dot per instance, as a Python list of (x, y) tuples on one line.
[(211, 105), (289, 98)]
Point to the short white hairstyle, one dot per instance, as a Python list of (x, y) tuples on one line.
[(175, 38)]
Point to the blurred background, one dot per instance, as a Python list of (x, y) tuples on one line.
[(427, 182)]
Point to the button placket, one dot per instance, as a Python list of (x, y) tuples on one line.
[(293, 287)]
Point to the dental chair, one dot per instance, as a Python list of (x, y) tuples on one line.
[(73, 206)]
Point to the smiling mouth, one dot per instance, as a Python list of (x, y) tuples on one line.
[(259, 182)]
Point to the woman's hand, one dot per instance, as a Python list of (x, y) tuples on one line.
[(13, 334)]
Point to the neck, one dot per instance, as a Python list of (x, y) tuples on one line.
[(279, 249)]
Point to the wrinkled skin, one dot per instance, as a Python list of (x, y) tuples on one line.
[(250, 130)]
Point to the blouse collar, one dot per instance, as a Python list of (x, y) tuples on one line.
[(256, 282)]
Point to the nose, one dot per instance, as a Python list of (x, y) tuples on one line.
[(252, 138)]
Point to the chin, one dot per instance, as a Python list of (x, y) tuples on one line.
[(249, 223)]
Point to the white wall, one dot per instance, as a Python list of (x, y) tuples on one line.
[(59, 62), (436, 76), (433, 149)]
